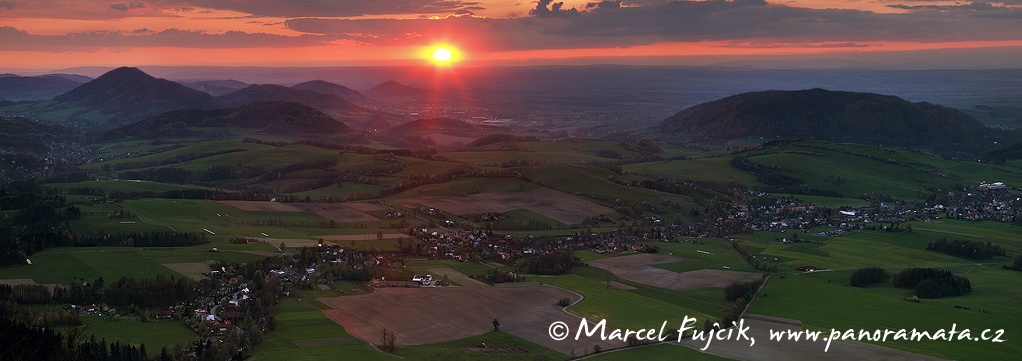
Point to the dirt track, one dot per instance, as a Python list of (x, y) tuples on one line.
[(340, 212), (560, 206), (636, 268), (421, 316)]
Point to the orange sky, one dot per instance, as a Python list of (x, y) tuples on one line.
[(38, 34)]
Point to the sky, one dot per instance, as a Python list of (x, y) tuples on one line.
[(53, 34)]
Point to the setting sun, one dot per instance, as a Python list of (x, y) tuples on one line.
[(442, 54)]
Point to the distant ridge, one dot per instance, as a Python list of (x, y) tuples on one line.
[(865, 118), (325, 87), (34, 88), (279, 92), (392, 89), (269, 116), (216, 87)]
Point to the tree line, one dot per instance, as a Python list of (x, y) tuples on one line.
[(866, 276), (554, 263), (966, 248), (932, 282)]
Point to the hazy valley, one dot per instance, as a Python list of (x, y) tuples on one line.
[(402, 212)]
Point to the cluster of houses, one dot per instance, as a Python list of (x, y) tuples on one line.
[(475, 245), (994, 204)]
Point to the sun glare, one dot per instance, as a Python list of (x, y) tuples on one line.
[(443, 55)]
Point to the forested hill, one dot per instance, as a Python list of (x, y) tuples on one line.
[(836, 116), (270, 116), (21, 135), (128, 94)]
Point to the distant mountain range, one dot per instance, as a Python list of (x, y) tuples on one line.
[(126, 95), (264, 116), (279, 92), (832, 115), (35, 88), (324, 87), (216, 87), (393, 89)]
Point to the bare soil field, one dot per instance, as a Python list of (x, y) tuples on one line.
[(560, 206), (17, 281), (457, 277), (340, 212), (428, 315), (636, 268), (765, 349), (262, 206), (191, 270), (365, 207)]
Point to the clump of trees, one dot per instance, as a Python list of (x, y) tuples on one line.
[(737, 290), (932, 282), (141, 292), (556, 263), (966, 248), (495, 276), (1016, 265), (866, 276)]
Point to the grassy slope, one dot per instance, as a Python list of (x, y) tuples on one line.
[(722, 254), (709, 169), (657, 353), (814, 297), (64, 264), (305, 333), (155, 335), (814, 301)]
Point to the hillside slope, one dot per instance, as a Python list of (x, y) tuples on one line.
[(833, 115), (273, 117), (126, 95)]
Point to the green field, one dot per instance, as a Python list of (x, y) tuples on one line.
[(498, 346), (66, 264), (155, 335), (621, 308), (664, 352), (860, 249), (305, 333), (124, 186), (721, 255), (824, 305), (709, 169), (193, 215), (903, 173), (815, 297)]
